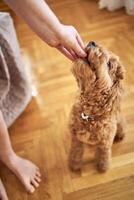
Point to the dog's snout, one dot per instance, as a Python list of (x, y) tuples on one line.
[(91, 44)]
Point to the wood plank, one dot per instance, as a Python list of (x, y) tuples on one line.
[(41, 133)]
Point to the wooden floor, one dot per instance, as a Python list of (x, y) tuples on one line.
[(41, 133)]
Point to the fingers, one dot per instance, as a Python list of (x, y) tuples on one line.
[(80, 41), (69, 54), (71, 44), (78, 45), (78, 49), (73, 53)]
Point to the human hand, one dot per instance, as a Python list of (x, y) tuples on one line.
[(67, 41), (70, 43)]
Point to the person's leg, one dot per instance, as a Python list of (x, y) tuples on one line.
[(3, 195), (26, 171)]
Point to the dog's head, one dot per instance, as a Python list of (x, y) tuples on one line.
[(101, 66)]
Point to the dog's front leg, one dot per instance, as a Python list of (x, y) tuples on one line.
[(104, 148), (103, 158), (76, 153)]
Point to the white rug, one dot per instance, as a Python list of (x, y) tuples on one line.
[(112, 5)]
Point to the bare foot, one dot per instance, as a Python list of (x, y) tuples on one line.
[(3, 195), (26, 171)]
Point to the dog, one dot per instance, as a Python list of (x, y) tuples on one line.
[(96, 117), (112, 5)]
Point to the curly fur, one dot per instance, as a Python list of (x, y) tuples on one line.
[(99, 79)]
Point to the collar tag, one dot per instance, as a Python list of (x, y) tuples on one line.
[(85, 117)]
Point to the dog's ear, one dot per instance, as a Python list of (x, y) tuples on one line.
[(120, 71)]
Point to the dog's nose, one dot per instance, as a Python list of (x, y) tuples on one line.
[(91, 44)]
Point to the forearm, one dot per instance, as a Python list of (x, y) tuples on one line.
[(38, 16), (43, 21)]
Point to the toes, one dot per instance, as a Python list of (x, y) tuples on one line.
[(35, 183), (29, 188), (37, 168), (38, 173), (31, 185), (38, 179)]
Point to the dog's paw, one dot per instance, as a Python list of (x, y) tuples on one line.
[(75, 165), (102, 167), (119, 137)]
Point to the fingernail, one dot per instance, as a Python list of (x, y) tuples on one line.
[(83, 52)]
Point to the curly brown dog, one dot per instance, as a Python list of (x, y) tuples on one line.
[(96, 115)]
